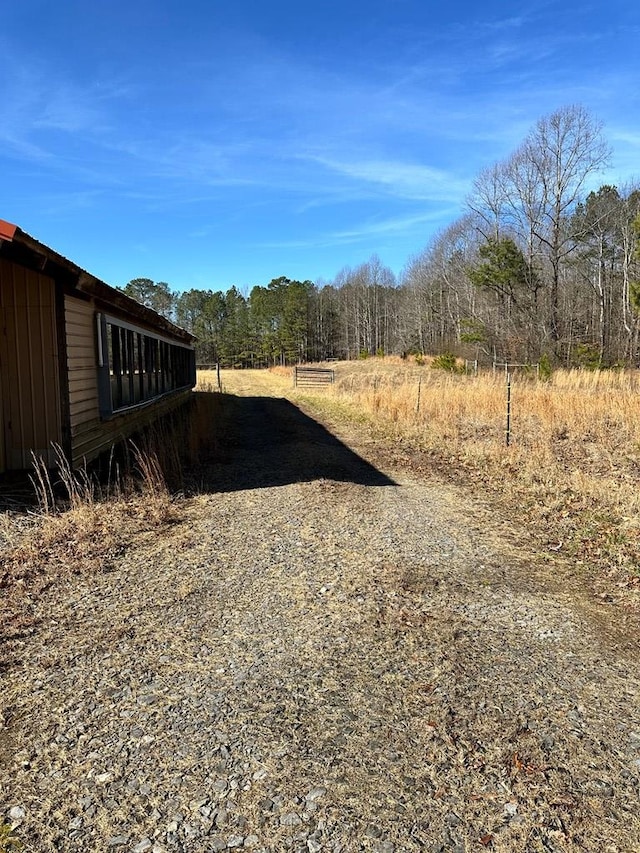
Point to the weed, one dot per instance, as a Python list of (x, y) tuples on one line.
[(545, 370), (446, 361), (588, 356), (153, 485), (9, 842)]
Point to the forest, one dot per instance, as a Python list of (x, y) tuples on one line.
[(537, 266)]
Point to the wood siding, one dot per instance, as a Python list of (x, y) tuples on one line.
[(81, 360), (29, 375), (84, 414), (91, 436), (96, 436)]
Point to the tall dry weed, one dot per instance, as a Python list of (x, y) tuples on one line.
[(574, 459), (80, 532)]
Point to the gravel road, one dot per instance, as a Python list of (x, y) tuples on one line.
[(320, 656)]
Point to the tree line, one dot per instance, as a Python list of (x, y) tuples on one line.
[(535, 267)]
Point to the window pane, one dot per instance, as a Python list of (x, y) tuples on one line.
[(142, 367), (115, 368), (135, 368)]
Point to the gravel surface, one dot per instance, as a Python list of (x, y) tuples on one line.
[(318, 656)]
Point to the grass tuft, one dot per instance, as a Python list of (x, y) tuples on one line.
[(9, 842)]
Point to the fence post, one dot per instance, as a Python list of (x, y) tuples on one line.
[(508, 430), (418, 400)]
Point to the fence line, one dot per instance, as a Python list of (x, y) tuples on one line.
[(509, 365), (312, 376)]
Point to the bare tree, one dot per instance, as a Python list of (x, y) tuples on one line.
[(564, 149), (629, 214), (489, 200)]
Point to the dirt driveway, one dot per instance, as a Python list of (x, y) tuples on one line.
[(320, 655)]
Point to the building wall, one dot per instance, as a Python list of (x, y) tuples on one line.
[(42, 341), (91, 435), (84, 414), (29, 375)]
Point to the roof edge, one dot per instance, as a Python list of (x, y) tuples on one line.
[(7, 230)]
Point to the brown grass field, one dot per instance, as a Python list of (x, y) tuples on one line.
[(571, 472)]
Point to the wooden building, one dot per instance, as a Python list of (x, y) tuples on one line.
[(81, 364)]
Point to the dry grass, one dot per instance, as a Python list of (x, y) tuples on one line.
[(581, 409), (78, 534), (273, 382), (8, 841), (573, 459), (83, 523)]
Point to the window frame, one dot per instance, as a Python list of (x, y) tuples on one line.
[(137, 367)]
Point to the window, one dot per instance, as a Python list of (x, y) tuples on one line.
[(137, 366)]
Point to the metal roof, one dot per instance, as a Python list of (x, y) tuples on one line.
[(7, 230)]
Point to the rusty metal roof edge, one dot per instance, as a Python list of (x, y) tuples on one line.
[(7, 230), (88, 283)]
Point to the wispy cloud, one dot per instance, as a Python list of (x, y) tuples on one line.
[(260, 119), (364, 231), (44, 115), (515, 22), (404, 180)]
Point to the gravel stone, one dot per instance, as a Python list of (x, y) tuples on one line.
[(104, 778), (312, 649), (383, 847), (316, 793), (17, 814)]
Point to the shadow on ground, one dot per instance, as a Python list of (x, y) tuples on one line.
[(17, 494), (257, 442)]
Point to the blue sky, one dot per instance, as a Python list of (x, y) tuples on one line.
[(215, 143)]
